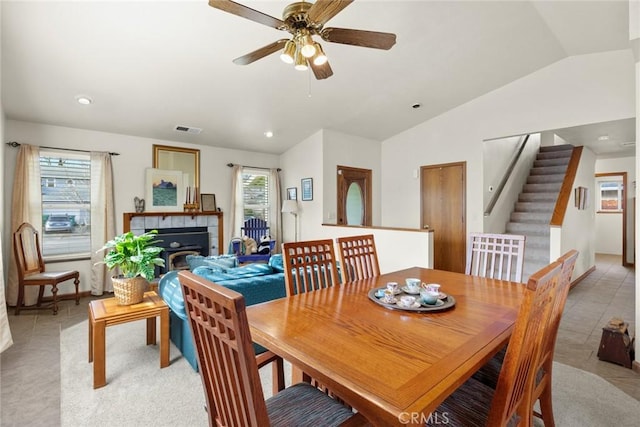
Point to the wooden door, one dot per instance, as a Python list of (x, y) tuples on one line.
[(443, 204), (354, 196)]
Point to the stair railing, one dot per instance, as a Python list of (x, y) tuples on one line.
[(507, 175), (565, 190)]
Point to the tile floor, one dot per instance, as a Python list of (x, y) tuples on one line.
[(30, 369)]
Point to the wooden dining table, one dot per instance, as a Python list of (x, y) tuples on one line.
[(394, 366)]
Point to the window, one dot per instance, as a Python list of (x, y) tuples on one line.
[(255, 187), (66, 210), (611, 196)]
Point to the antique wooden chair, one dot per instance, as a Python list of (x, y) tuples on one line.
[(475, 403), (358, 257), (229, 371), (309, 265), (31, 269), (497, 256)]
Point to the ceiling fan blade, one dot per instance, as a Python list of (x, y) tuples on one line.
[(260, 53), (323, 10), (247, 12), (321, 72), (362, 38)]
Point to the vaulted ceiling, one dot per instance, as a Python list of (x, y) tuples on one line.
[(150, 66)]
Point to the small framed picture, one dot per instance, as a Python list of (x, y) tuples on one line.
[(292, 193), (208, 202), (307, 188)]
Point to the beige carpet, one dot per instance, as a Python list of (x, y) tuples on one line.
[(139, 393)]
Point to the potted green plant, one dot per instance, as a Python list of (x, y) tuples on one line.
[(136, 258)]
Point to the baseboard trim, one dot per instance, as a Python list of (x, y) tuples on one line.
[(579, 279)]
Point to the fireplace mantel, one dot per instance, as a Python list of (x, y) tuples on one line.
[(139, 222)]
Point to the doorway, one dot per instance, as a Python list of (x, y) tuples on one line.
[(354, 196), (611, 215), (443, 206)]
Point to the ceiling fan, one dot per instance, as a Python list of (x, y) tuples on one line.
[(304, 20)]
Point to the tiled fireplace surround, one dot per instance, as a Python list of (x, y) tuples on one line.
[(139, 223)]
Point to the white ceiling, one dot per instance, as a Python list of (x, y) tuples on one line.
[(152, 65)]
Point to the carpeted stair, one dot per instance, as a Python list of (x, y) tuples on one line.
[(534, 208)]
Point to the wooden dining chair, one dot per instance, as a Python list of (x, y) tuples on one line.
[(542, 386), (229, 371), (358, 257), (490, 372), (309, 265), (477, 404), (497, 256), (32, 272)]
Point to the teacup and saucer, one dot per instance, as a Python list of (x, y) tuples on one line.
[(429, 297), (407, 301), (412, 286)]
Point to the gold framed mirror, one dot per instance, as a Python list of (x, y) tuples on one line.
[(186, 160)]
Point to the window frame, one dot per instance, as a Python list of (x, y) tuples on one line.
[(265, 207), (619, 188), (78, 248)]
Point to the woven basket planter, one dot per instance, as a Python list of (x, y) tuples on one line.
[(129, 290)]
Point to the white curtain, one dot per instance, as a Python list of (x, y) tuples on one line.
[(5, 333), (275, 207), (103, 224), (25, 207), (237, 202)]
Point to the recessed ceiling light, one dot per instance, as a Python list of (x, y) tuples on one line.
[(84, 100), (603, 138), (268, 134)]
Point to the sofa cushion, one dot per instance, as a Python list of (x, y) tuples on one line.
[(214, 274), (277, 263), (222, 262)]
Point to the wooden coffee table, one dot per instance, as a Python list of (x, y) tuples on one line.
[(107, 312)]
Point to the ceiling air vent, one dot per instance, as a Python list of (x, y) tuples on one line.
[(187, 129), (628, 144)]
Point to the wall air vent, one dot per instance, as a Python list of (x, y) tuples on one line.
[(187, 129)]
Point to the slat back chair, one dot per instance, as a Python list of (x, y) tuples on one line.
[(309, 265), (475, 403), (229, 371), (496, 256), (358, 257), (32, 272), (542, 388)]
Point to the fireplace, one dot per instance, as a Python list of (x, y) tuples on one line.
[(178, 243)]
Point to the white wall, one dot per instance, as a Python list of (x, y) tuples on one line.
[(493, 172), (304, 161), (129, 170), (348, 150), (575, 91), (572, 233), (387, 243), (609, 226)]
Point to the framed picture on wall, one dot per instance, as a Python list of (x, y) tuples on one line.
[(292, 193), (164, 190), (307, 189)]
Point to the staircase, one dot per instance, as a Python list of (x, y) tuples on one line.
[(534, 208)]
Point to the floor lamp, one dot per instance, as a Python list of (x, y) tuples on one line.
[(291, 206)]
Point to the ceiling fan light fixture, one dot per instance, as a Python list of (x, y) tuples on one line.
[(301, 62), (319, 58), (307, 47), (289, 52)]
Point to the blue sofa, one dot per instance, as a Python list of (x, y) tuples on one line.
[(256, 282)]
